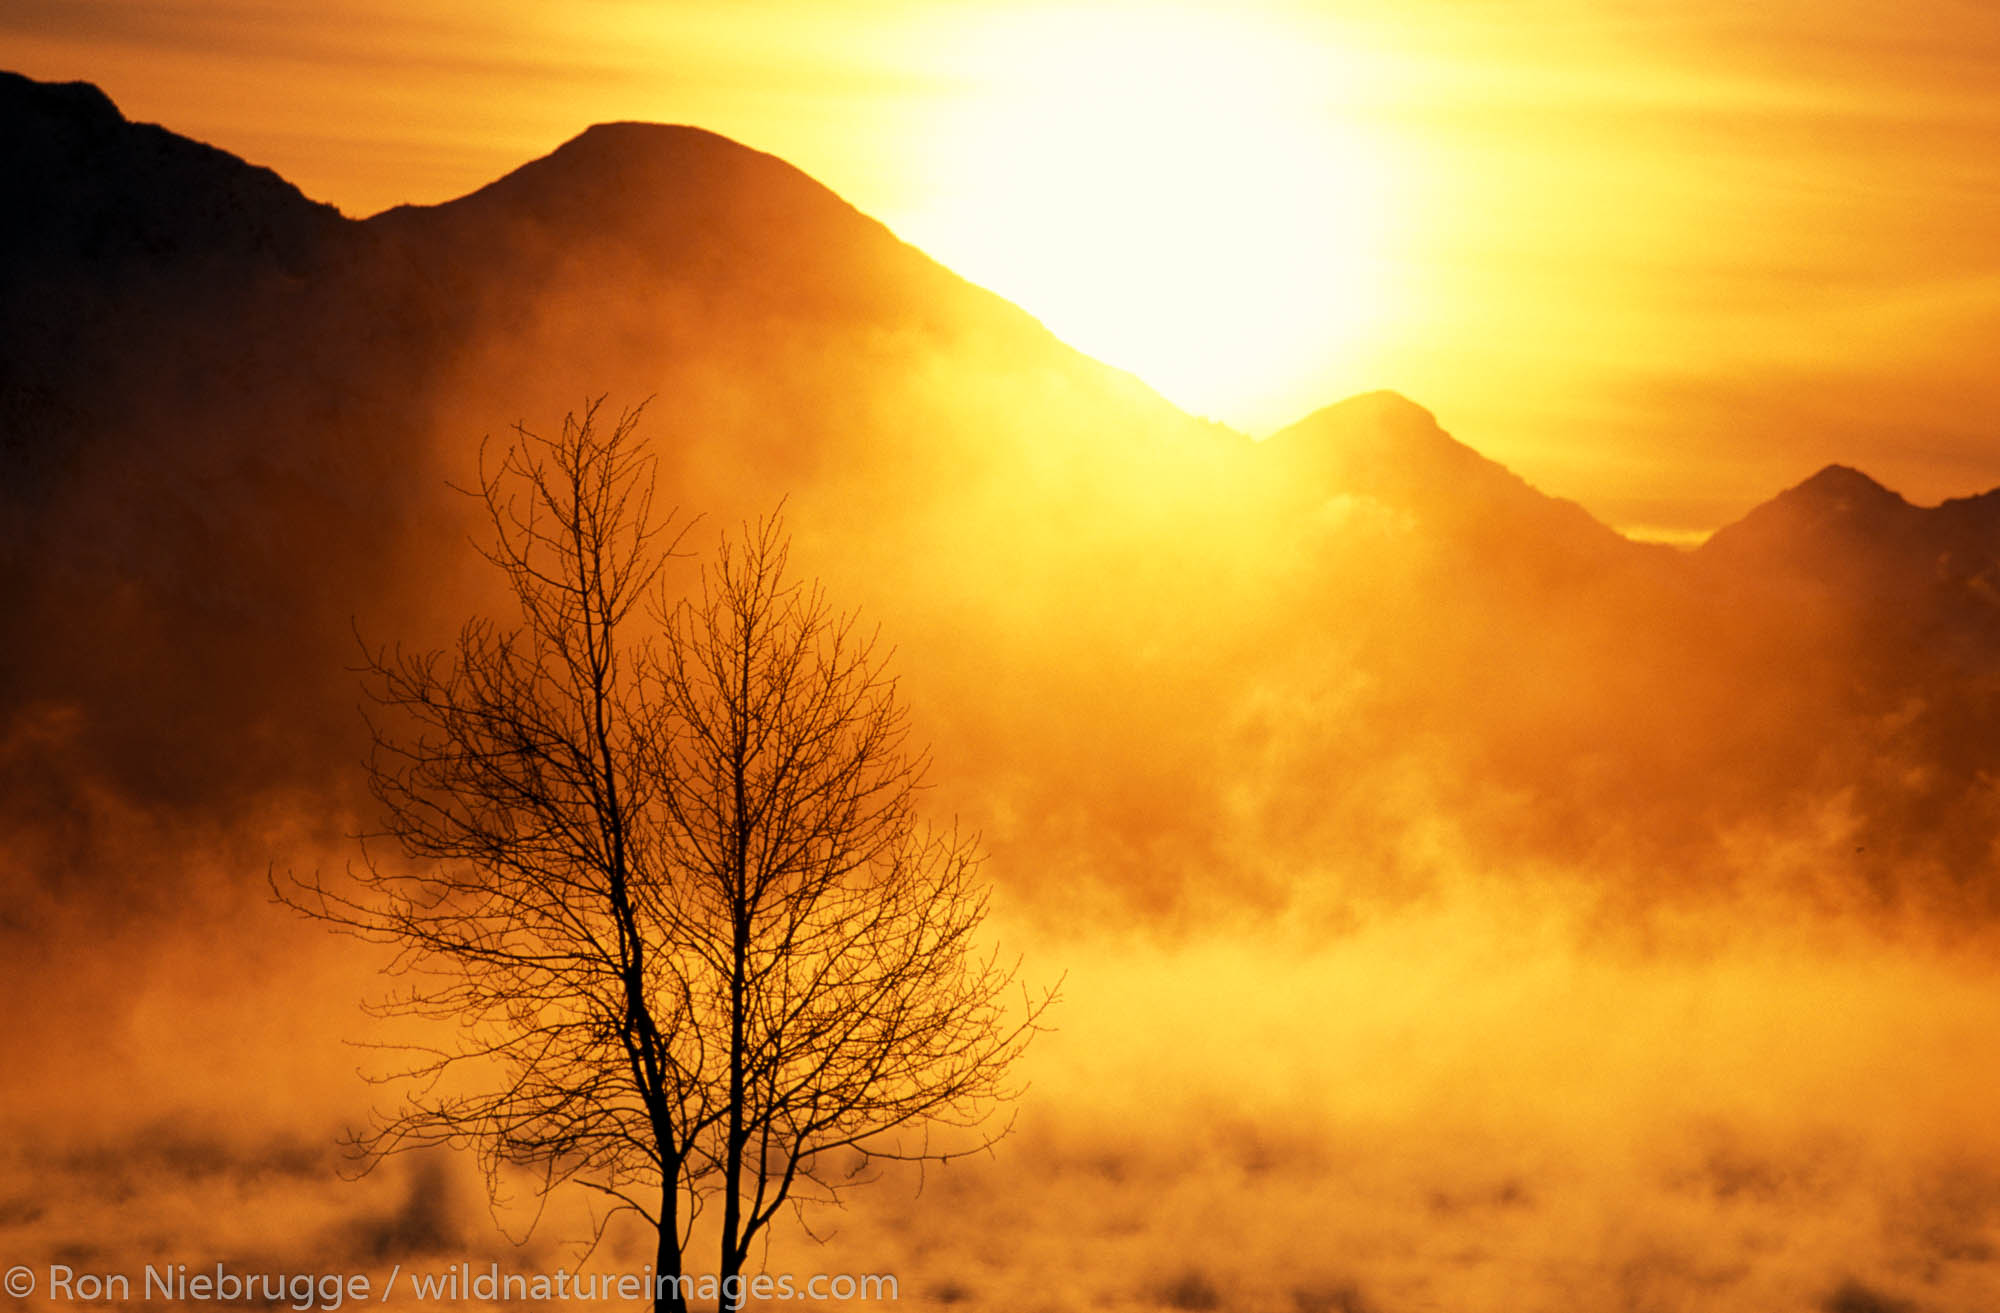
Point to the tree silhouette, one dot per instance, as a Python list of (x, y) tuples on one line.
[(835, 935), (658, 864)]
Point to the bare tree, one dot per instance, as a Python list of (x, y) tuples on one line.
[(660, 867), (524, 896), (835, 935)]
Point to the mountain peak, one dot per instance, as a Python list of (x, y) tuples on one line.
[(1380, 435), (1382, 406), (691, 155), (645, 176), (1385, 446), (77, 105), (640, 134), (1840, 523), (1844, 489), (85, 185), (642, 200)]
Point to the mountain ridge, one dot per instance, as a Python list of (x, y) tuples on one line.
[(1168, 660), (1386, 446), (90, 185), (1842, 520), (590, 176)]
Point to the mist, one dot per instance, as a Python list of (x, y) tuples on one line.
[(1459, 906)]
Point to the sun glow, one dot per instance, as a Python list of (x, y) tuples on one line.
[(1197, 200)]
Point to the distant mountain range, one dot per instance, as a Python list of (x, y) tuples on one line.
[(1163, 664)]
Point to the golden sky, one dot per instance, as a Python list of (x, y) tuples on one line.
[(1436, 937), (1661, 257)]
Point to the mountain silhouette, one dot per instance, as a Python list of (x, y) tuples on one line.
[(1386, 447), (1845, 529), (88, 189), (1169, 664), (238, 438), (687, 205)]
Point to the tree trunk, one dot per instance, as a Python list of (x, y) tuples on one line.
[(734, 1244), (667, 1255)]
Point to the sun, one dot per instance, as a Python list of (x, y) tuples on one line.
[(1176, 193)]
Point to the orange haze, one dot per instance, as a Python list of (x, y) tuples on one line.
[(1609, 239), (1465, 907)]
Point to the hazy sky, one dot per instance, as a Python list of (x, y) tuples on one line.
[(1661, 257), (1456, 913)]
